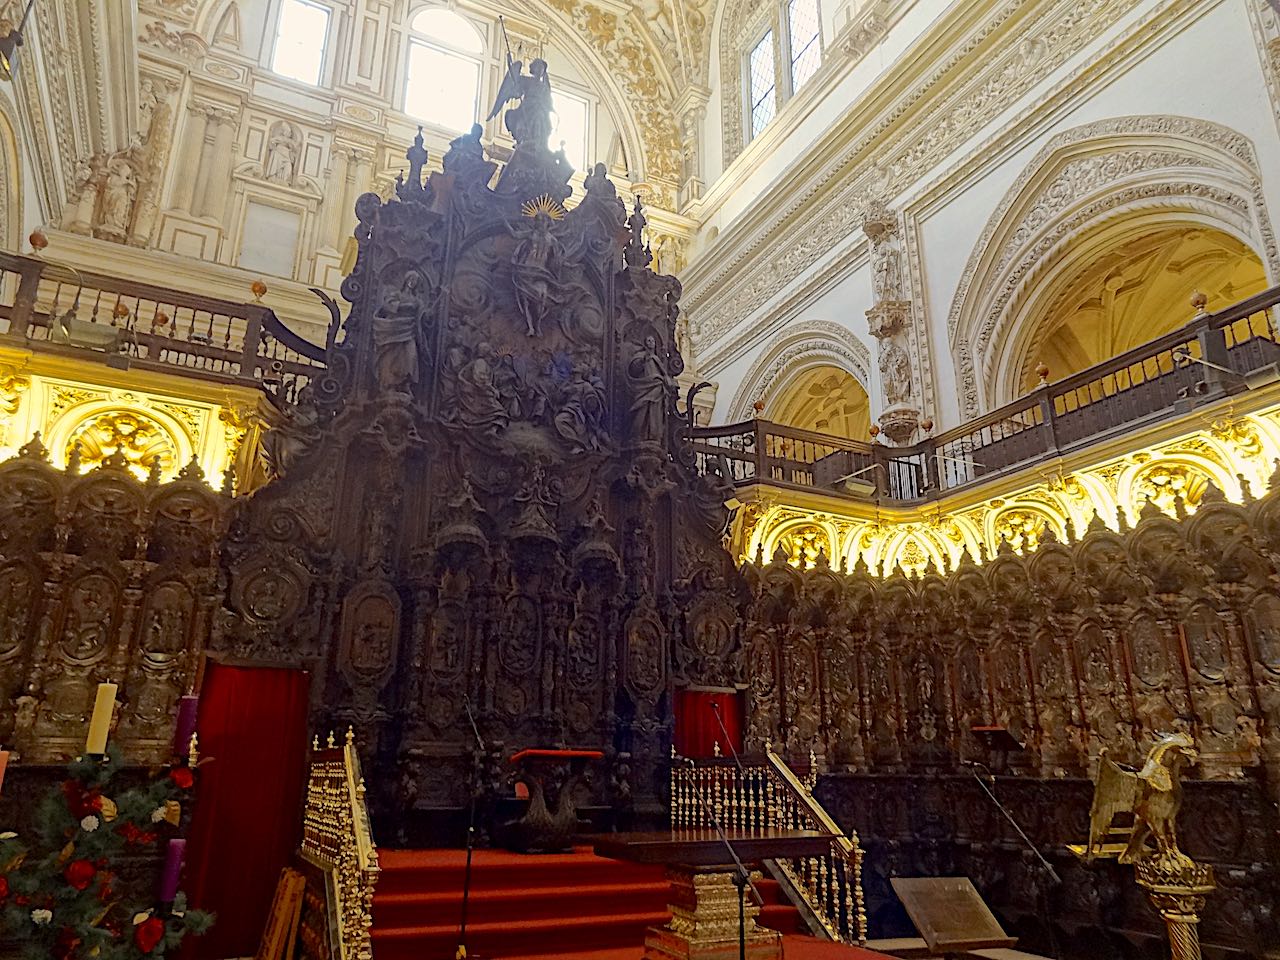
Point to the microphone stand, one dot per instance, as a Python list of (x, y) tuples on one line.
[(461, 953), (973, 765), (715, 708), (1056, 881), (741, 879)]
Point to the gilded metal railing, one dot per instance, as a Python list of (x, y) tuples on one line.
[(766, 794), (336, 839)]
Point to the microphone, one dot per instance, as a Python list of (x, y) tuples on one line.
[(715, 707)]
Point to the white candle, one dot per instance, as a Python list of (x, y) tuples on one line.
[(100, 725)]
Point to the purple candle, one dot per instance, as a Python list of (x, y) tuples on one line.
[(187, 708), (173, 855)]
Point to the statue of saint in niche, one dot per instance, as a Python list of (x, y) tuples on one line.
[(395, 334), (653, 390)]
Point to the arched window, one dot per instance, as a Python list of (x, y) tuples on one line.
[(569, 127), (442, 86), (302, 33), (779, 46)]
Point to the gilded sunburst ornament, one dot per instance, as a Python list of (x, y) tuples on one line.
[(545, 204)]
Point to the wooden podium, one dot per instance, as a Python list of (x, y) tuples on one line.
[(704, 899)]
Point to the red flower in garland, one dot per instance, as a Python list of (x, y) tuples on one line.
[(80, 802), (80, 873), (4, 889), (182, 777), (148, 934)]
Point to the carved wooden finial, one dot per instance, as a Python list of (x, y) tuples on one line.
[(351, 736), (153, 473), (1246, 489), (315, 741), (331, 743), (73, 458), (34, 449), (1042, 371), (1122, 518)]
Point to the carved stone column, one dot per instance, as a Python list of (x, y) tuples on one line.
[(887, 319), (189, 161), (221, 136), (335, 199), (692, 111)]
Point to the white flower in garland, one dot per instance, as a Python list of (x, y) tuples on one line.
[(159, 813), (8, 835), (41, 917), (89, 824)]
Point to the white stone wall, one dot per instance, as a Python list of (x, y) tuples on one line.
[(1150, 59)]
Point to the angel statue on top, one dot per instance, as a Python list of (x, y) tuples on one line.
[(531, 121)]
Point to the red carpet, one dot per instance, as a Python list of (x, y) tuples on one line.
[(574, 905)]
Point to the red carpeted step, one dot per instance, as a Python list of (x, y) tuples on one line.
[(553, 904), (551, 934), (595, 900)]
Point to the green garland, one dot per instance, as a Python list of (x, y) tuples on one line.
[(59, 897)]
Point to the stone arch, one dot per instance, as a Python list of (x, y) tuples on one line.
[(10, 185), (800, 348), (1083, 187)]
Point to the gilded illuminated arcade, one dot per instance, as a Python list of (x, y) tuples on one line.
[(502, 411)]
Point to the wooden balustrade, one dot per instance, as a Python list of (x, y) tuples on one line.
[(765, 793), (1207, 359), (56, 307)]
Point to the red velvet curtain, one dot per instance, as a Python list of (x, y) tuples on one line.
[(246, 823), (696, 729)]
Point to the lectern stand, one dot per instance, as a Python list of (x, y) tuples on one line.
[(704, 899)]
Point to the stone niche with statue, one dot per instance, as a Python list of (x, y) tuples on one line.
[(487, 500)]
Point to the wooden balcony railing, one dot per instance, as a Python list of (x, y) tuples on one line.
[(61, 308), (1139, 386)]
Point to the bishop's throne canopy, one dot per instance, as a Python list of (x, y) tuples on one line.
[(487, 498)]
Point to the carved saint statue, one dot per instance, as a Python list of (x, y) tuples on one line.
[(479, 402), (580, 419), (531, 121), (117, 197), (282, 153), (395, 334), (653, 389), (887, 270), (534, 271), (895, 371)]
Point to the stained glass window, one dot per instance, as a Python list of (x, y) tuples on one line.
[(806, 50), (760, 69)]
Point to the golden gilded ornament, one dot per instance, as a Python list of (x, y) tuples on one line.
[(544, 205)]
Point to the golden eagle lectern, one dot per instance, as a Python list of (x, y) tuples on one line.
[(1151, 796)]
